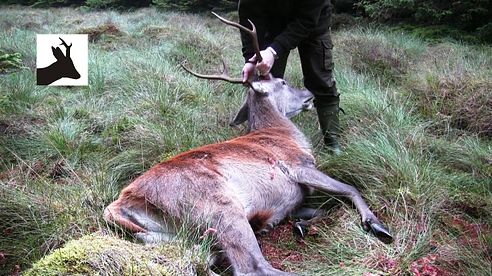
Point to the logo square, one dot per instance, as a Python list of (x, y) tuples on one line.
[(62, 59)]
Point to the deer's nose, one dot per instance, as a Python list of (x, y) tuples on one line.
[(308, 104)]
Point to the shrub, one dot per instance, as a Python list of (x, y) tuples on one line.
[(100, 4), (485, 32), (344, 6), (390, 9), (196, 5), (46, 3), (469, 15), (179, 5)]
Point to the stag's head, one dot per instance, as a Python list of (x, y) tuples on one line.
[(278, 94), (64, 62), (288, 100), (282, 97)]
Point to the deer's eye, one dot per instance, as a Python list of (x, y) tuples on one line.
[(283, 82)]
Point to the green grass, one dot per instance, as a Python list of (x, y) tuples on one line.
[(67, 152)]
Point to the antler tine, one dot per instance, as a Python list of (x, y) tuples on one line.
[(67, 47), (223, 76), (64, 43), (252, 33)]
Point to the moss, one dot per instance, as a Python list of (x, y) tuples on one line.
[(98, 254)]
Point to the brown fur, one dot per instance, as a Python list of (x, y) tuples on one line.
[(259, 220)]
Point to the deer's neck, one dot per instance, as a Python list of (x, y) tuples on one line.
[(263, 114), (48, 74)]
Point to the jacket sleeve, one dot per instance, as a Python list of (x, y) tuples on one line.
[(256, 12), (301, 26)]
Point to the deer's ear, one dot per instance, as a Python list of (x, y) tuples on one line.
[(242, 115), (57, 53)]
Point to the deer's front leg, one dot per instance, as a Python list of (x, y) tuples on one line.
[(318, 180)]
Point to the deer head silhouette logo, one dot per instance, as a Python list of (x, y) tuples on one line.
[(62, 68)]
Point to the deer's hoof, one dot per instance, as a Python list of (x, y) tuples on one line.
[(263, 232), (300, 229), (380, 231)]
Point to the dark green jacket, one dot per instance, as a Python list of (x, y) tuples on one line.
[(283, 24)]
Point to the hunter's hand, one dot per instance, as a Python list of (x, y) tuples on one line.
[(248, 72), (268, 58)]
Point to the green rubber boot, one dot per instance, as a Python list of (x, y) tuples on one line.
[(330, 125)]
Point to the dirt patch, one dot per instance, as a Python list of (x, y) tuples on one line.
[(98, 32), (284, 250), (59, 170), (465, 245), (20, 125), (279, 246), (427, 266)]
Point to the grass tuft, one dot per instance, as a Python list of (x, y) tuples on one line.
[(108, 30), (462, 99), (384, 57)]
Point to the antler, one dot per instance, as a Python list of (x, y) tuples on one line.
[(66, 46), (223, 76), (252, 33)]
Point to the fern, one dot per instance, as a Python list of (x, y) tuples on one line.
[(9, 61)]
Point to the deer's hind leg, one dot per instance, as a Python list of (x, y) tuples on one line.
[(305, 213), (305, 217), (141, 218), (314, 178)]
